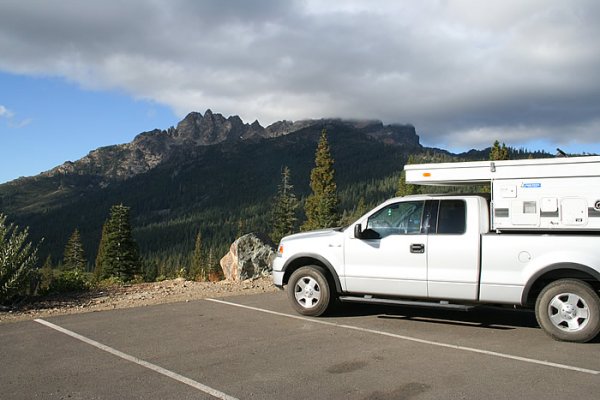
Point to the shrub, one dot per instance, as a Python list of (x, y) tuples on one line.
[(18, 258), (70, 281)]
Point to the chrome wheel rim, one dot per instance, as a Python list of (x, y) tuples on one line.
[(568, 312), (307, 292)]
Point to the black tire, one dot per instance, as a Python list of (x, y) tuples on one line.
[(309, 292), (569, 310)]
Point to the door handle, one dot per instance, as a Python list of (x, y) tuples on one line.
[(418, 248)]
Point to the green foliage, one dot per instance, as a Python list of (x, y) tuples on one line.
[(120, 256), (74, 257), (321, 205), (349, 216), (149, 270), (213, 268), (60, 280), (198, 270), (213, 187), (67, 281), (17, 260), (46, 276), (98, 272), (406, 189), (109, 282), (499, 152), (284, 208)]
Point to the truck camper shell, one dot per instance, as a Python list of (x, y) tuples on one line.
[(538, 194)]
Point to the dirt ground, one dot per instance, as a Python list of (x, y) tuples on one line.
[(137, 295)]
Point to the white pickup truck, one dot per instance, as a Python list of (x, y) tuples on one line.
[(449, 250)]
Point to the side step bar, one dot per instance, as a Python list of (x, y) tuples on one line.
[(375, 300)]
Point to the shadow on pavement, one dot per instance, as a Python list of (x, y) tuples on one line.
[(480, 316)]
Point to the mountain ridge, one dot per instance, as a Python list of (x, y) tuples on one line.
[(149, 149), (209, 174)]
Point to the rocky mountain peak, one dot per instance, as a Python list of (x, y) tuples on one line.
[(149, 149), (211, 128)]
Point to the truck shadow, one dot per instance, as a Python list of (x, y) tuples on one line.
[(486, 317)]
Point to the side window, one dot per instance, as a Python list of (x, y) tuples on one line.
[(452, 217), (398, 219)]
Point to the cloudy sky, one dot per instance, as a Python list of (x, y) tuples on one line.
[(78, 75)]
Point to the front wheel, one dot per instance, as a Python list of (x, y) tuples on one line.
[(569, 310), (308, 291)]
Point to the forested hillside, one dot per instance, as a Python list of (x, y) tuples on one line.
[(221, 190)]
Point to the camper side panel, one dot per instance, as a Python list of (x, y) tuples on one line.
[(548, 204)]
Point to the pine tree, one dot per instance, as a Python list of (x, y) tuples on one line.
[(350, 216), (120, 256), (321, 205), (18, 258), (360, 210), (498, 152), (74, 256), (46, 275), (406, 189), (98, 273), (284, 208), (212, 268), (241, 228), (198, 270)]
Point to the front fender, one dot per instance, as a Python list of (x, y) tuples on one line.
[(303, 259)]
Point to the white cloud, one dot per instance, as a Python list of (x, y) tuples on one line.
[(20, 124), (11, 122), (5, 113), (463, 71)]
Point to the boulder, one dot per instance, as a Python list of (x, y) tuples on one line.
[(249, 257)]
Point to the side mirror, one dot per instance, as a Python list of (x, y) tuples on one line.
[(358, 231), (366, 234)]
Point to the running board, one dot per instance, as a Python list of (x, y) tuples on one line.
[(375, 300)]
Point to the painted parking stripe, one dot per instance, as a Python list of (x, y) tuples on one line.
[(414, 339), (138, 361)]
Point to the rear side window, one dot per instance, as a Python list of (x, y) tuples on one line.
[(452, 217)]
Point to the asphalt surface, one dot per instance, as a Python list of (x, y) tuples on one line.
[(263, 350)]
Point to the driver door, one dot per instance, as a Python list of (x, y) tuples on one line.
[(394, 263)]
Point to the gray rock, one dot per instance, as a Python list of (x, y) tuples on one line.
[(249, 257)]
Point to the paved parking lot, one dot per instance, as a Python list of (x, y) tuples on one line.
[(255, 347)]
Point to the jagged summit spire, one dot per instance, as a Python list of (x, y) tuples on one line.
[(150, 149)]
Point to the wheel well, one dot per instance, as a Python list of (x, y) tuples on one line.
[(299, 262), (546, 278)]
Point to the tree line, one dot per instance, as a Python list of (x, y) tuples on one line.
[(118, 256)]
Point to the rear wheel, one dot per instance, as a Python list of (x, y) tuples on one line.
[(308, 291), (569, 310)]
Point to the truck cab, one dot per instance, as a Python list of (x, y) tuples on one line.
[(404, 246)]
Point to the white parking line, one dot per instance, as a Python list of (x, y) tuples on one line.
[(413, 339), (146, 364)]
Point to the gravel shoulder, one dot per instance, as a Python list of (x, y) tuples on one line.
[(136, 295)]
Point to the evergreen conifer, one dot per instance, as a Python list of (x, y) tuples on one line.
[(284, 208), (406, 189), (46, 275), (321, 205), (74, 256), (499, 152), (198, 270), (98, 274), (119, 256)]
